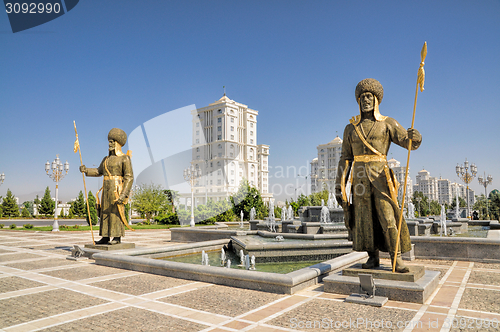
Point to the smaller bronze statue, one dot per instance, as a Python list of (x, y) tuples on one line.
[(118, 178)]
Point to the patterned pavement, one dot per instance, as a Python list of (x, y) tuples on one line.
[(40, 290)]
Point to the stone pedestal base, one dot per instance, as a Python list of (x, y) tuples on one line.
[(119, 246), (407, 291), (376, 301)]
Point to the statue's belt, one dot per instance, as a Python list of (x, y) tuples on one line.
[(366, 158)]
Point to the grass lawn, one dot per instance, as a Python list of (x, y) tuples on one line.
[(64, 228)]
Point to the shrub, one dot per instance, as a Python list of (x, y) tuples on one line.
[(167, 219), (2, 225), (63, 227), (28, 226), (76, 226), (13, 226)]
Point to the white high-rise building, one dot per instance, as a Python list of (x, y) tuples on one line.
[(427, 184), (225, 149), (399, 172), (324, 168)]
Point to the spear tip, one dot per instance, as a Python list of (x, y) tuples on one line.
[(423, 53)]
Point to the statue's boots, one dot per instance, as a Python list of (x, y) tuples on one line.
[(400, 266), (115, 240), (373, 260), (104, 240)]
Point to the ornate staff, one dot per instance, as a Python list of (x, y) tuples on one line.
[(420, 83), (77, 148)]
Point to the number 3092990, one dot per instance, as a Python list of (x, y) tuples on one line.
[(32, 8)]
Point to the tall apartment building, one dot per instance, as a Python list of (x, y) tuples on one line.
[(441, 190), (324, 167), (225, 149), (399, 172)]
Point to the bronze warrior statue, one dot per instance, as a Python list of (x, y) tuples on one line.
[(372, 216), (118, 178)]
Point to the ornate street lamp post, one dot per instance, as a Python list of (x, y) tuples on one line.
[(418, 200), (191, 174), (466, 177), (485, 181), (59, 171)]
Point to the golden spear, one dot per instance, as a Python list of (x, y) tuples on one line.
[(420, 84), (77, 148)]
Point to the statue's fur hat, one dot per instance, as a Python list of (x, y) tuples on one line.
[(370, 85), (118, 135)]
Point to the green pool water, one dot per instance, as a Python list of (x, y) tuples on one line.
[(214, 260)]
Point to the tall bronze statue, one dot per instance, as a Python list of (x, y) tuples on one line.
[(372, 215), (118, 178)]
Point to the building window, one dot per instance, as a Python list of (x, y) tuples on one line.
[(219, 111), (232, 181), (251, 133), (251, 124), (197, 124), (197, 132), (232, 128), (218, 163), (197, 157), (232, 172), (219, 120), (230, 154), (219, 182), (219, 137), (219, 146), (197, 141), (219, 128), (232, 119), (210, 181), (219, 172), (197, 149), (220, 154), (251, 141), (232, 137)]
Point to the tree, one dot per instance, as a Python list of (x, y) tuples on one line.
[(36, 200), (29, 206), (9, 206), (47, 205), (92, 208), (151, 200), (245, 199), (78, 207), (25, 213), (494, 206)]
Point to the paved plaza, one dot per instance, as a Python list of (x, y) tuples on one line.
[(40, 290)]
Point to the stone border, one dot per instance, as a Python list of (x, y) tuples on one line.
[(485, 250), (140, 260)]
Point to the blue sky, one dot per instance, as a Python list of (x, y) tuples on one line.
[(111, 64)]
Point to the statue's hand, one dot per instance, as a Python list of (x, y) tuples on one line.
[(83, 169), (120, 200), (414, 135)]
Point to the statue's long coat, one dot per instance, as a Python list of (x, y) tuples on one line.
[(373, 211), (110, 223)]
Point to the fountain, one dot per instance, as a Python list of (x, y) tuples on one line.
[(283, 213), (325, 215), (241, 222), (203, 257), (252, 213), (322, 202), (411, 211), (228, 264), (252, 263), (247, 262), (222, 257), (443, 222), (271, 219), (242, 258), (290, 213)]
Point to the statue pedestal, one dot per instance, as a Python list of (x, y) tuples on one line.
[(415, 286), (107, 247)]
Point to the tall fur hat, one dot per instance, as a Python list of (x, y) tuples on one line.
[(118, 135), (370, 85)]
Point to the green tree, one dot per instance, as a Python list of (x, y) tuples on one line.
[(494, 206), (9, 206), (78, 207), (92, 208), (29, 206), (151, 200), (424, 204), (36, 200), (25, 213), (245, 198), (47, 205)]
